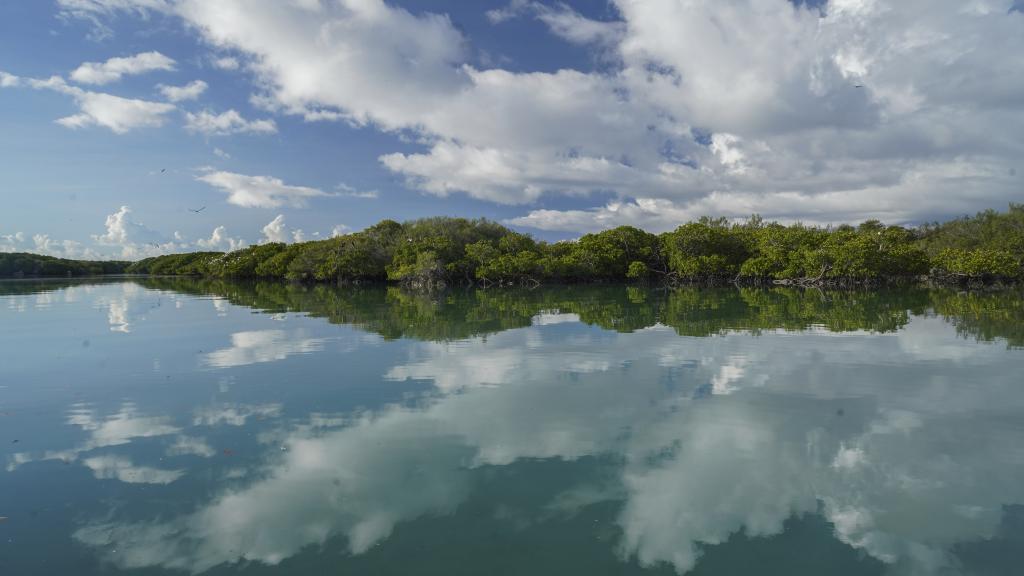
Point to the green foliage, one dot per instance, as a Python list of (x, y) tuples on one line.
[(989, 230), (433, 252), (22, 264), (637, 269), (709, 248), (608, 255), (782, 251), (978, 263)]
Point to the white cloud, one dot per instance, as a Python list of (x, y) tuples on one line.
[(221, 154), (275, 230), (114, 69), (259, 191), (226, 63), (697, 109), (350, 192), (12, 242), (43, 244), (9, 80), (563, 22), (191, 91), (225, 123), (220, 240), (115, 113), (134, 238), (340, 230)]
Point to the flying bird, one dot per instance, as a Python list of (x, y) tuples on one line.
[(162, 170), (858, 86), (197, 211)]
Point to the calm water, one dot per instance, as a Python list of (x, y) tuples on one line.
[(162, 427)]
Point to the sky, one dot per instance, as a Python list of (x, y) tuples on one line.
[(132, 128)]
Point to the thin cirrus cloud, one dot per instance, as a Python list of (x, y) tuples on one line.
[(191, 91), (351, 192), (260, 191), (115, 68), (226, 123)]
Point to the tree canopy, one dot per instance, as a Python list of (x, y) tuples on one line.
[(442, 251)]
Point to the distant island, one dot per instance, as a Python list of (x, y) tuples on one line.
[(436, 252)]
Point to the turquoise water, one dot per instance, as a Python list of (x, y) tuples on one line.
[(176, 427)]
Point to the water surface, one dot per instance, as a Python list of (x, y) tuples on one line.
[(175, 426)]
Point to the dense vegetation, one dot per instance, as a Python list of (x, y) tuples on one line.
[(436, 252), (25, 265), (445, 251)]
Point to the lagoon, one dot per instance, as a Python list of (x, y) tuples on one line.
[(179, 426)]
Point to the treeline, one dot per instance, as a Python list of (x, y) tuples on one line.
[(26, 265), (437, 252)]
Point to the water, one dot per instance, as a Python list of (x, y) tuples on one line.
[(172, 427)]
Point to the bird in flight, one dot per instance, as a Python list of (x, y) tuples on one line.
[(162, 170), (197, 211), (858, 86)]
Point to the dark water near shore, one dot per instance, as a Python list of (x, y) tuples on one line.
[(173, 426)]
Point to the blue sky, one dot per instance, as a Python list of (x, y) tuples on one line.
[(289, 120)]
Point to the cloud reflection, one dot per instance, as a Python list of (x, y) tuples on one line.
[(253, 347), (115, 429), (907, 453)]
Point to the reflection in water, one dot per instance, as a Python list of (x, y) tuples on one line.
[(118, 468), (257, 346), (769, 443), (233, 415), (870, 411), (114, 430)]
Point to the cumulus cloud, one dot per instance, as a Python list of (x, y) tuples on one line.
[(697, 110), (226, 123), (120, 115), (340, 230), (11, 242), (134, 239), (259, 191), (114, 69), (122, 231), (191, 91), (275, 230), (220, 240), (44, 244)]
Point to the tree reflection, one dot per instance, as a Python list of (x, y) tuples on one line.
[(394, 313)]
